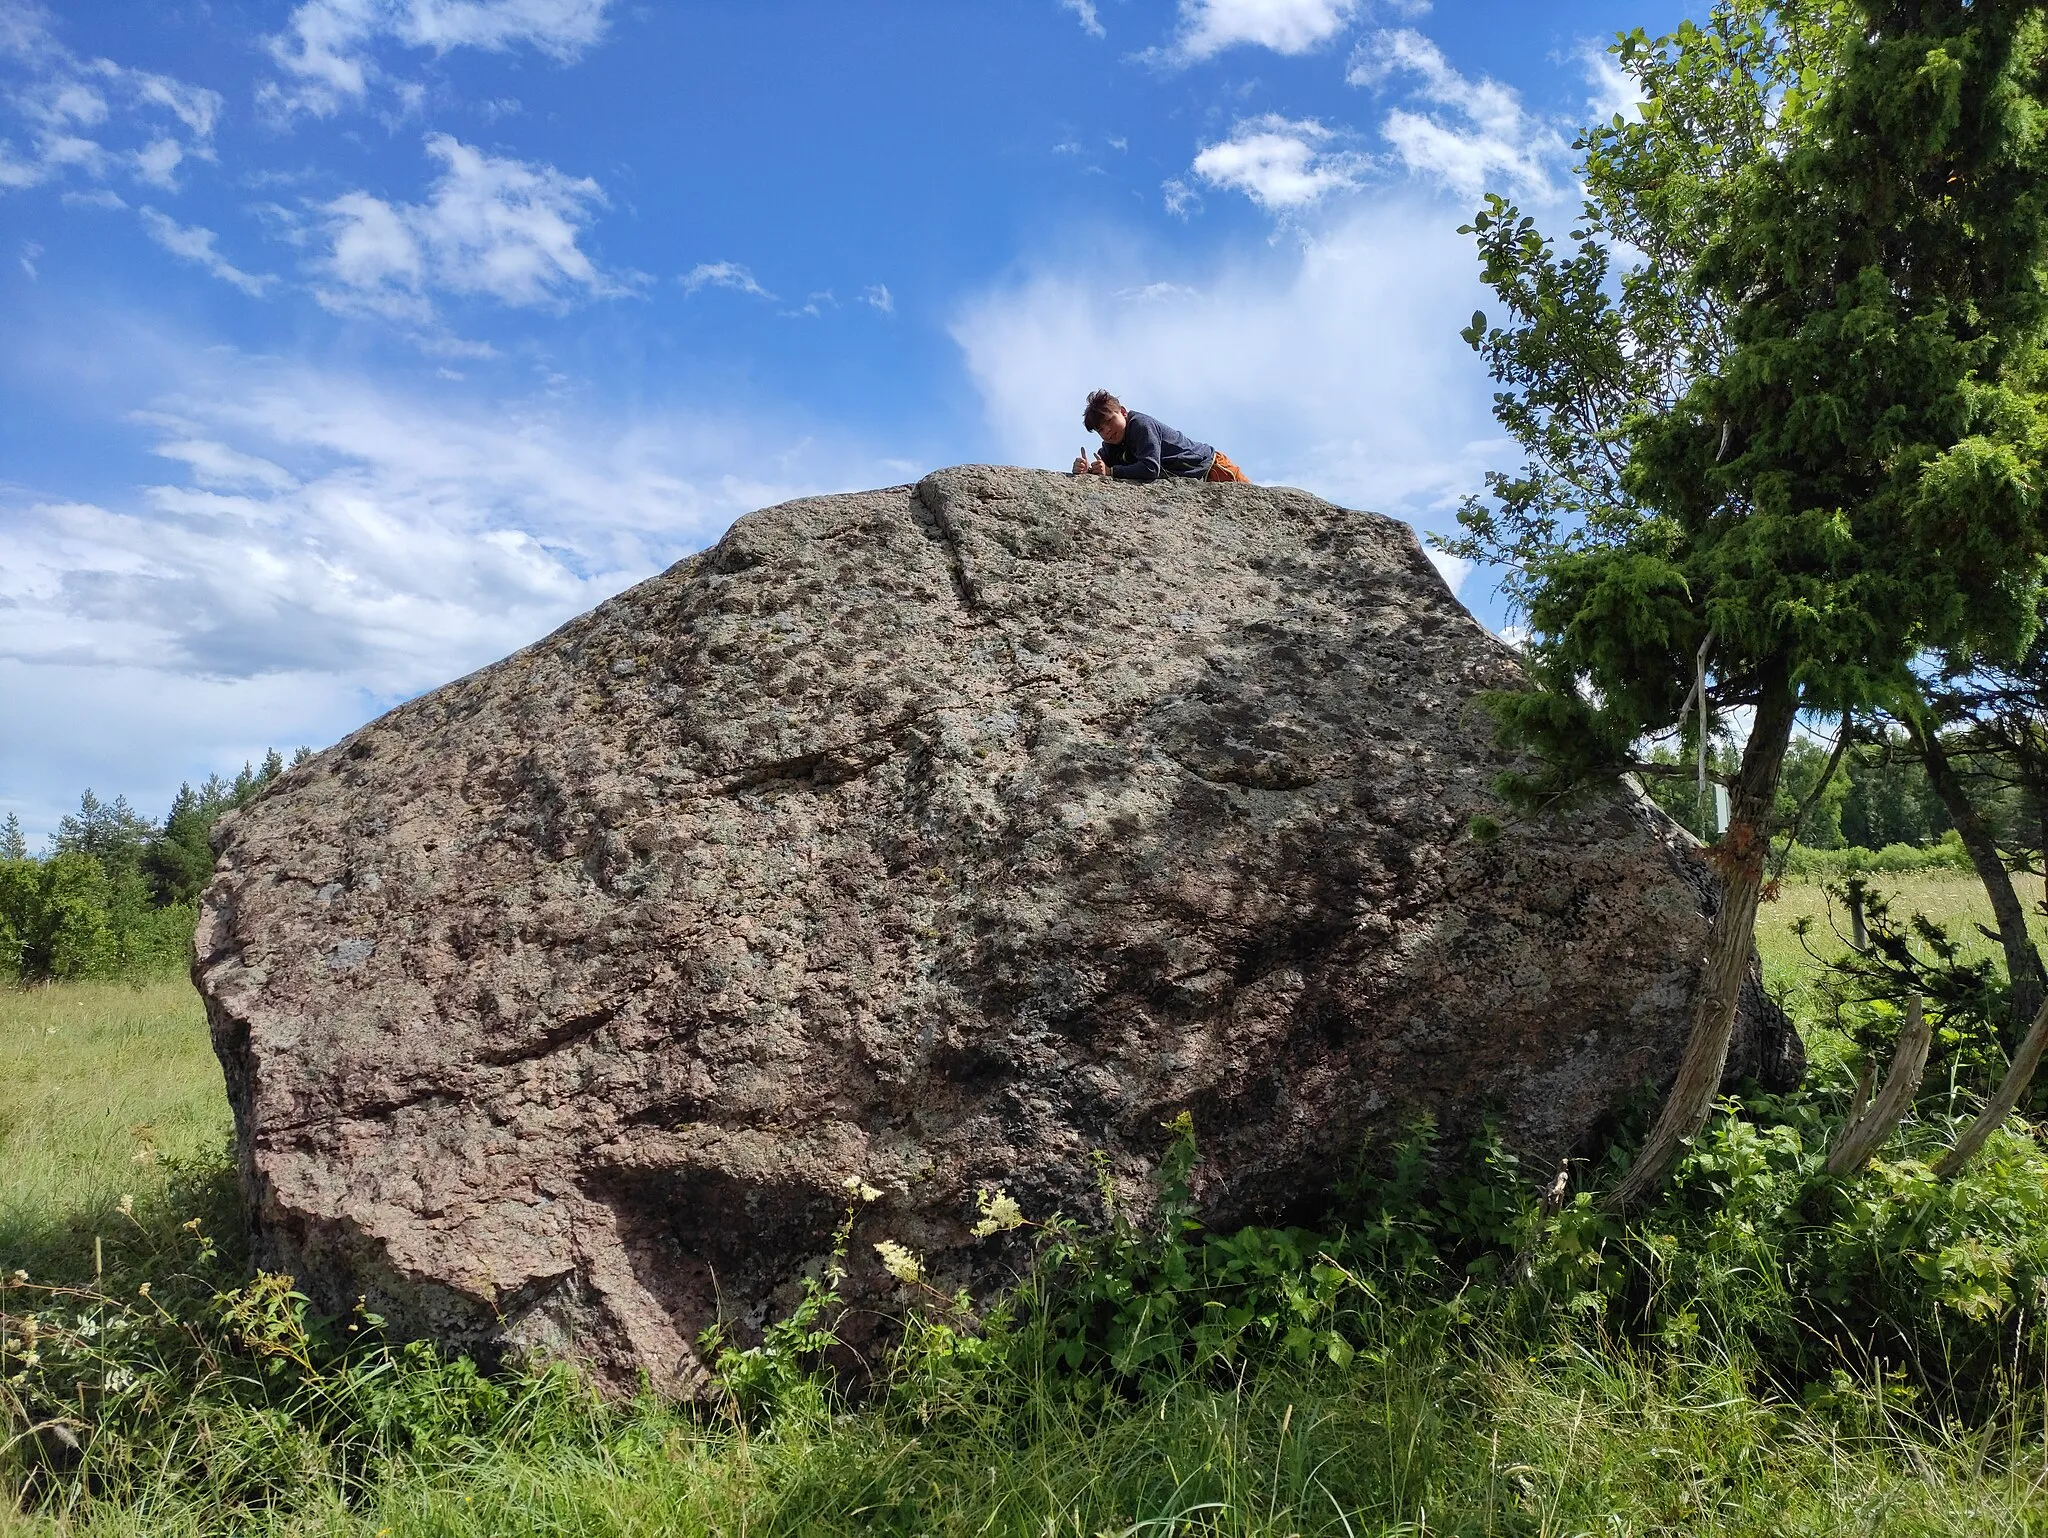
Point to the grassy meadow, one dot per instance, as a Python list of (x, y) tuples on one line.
[(1419, 1408), (98, 1082), (1951, 898)]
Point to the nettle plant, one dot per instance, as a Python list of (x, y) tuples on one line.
[(1781, 405)]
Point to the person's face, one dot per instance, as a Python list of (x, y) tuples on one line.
[(1112, 428)]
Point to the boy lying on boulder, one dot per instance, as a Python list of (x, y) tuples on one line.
[(1136, 447)]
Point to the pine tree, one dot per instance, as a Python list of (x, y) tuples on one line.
[(113, 833), (13, 846), (1802, 444)]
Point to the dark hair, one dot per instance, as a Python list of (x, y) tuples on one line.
[(1100, 404)]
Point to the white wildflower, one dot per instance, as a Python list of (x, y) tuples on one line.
[(860, 1190), (999, 1213), (126, 1205), (899, 1262)]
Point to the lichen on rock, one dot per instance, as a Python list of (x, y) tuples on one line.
[(937, 836)]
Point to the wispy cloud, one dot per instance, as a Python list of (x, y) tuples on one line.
[(327, 47), (196, 245), (1085, 11), (493, 227), (1612, 92), (326, 524), (877, 296), (1208, 27), (1281, 164), (722, 275), (92, 116), (1479, 136)]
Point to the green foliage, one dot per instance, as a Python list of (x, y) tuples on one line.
[(169, 1363), (63, 917), (1966, 999), (786, 1374), (1753, 1249), (1804, 432), (1889, 800), (117, 895), (1946, 854), (179, 859), (55, 916)]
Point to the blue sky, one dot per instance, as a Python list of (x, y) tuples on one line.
[(346, 346)]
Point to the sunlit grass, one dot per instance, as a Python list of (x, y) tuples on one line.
[(97, 1081), (1467, 1440), (1953, 899)]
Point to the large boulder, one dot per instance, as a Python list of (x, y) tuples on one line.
[(943, 836)]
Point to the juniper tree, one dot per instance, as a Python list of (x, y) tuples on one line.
[(1998, 710), (1781, 406)]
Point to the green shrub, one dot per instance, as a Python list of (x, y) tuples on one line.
[(62, 918), (1946, 853)]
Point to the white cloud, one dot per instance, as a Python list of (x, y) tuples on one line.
[(139, 732), (218, 467), (194, 106), (1208, 27), (1480, 138), (62, 103), (70, 107), (316, 545), (380, 540), (505, 229), (1454, 569), (878, 296), (1332, 364), (376, 258), (195, 244), (722, 275), (16, 173), (1279, 163), (1085, 11), (1613, 92), (157, 163), (326, 47), (24, 28)]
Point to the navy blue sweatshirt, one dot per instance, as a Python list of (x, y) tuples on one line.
[(1151, 449)]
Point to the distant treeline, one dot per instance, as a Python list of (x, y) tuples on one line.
[(1879, 798), (115, 894)]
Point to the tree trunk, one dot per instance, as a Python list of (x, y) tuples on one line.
[(2022, 961), (2017, 1077), (1741, 856), (1870, 1124)]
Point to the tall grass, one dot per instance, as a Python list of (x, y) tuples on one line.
[(1954, 899), (1459, 1436), (99, 1081)]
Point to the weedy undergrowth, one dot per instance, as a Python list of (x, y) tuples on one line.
[(142, 1357)]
